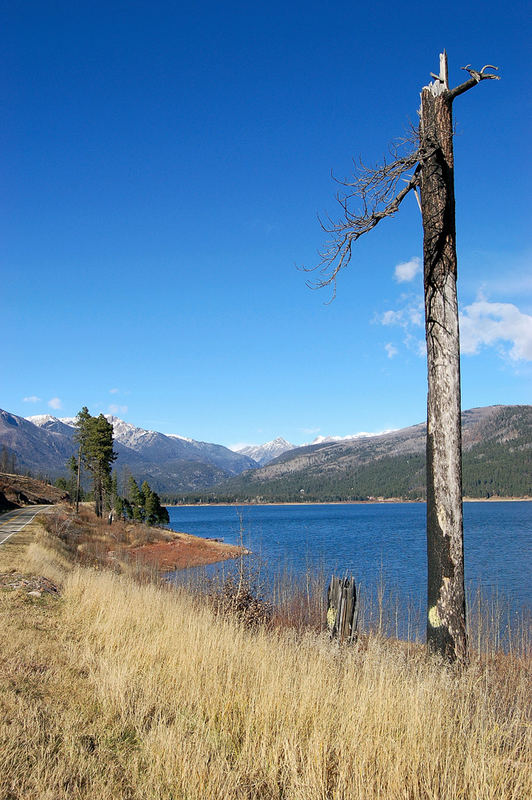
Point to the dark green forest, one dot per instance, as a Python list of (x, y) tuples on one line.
[(489, 469)]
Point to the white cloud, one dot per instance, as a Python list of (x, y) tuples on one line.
[(32, 399), (55, 403), (113, 391), (410, 315), (407, 270), (489, 324), (115, 409), (310, 430), (391, 318)]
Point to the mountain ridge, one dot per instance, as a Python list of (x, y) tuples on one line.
[(43, 444), (264, 453), (497, 451), (496, 440)]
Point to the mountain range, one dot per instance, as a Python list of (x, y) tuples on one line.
[(497, 445), (43, 444), (497, 461)]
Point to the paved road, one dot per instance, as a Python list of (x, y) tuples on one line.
[(13, 521)]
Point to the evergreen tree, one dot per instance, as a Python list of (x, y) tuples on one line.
[(136, 500), (145, 492), (72, 466), (151, 508), (152, 505), (114, 488), (117, 502), (145, 504), (118, 506), (95, 437), (83, 424)]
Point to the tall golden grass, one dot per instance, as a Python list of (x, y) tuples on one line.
[(123, 690)]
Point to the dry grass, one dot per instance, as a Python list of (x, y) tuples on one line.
[(89, 539), (143, 551), (122, 690)]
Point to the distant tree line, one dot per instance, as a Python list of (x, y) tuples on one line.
[(491, 469)]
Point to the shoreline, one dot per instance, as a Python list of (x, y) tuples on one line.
[(388, 501), (185, 551)]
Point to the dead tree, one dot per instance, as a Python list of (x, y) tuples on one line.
[(425, 161)]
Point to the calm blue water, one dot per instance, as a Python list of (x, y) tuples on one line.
[(378, 542)]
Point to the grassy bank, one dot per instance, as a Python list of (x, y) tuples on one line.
[(122, 689)]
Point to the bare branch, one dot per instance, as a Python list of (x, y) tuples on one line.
[(377, 191), (476, 77)]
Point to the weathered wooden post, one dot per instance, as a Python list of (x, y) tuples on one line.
[(342, 610)]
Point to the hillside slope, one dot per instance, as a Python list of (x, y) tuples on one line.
[(497, 445), (43, 444), (19, 490)]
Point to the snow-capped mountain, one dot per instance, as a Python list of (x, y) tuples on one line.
[(123, 432), (44, 443), (39, 449), (264, 453), (177, 436), (361, 435), (496, 442), (42, 419)]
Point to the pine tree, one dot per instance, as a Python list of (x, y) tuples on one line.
[(144, 505), (127, 511), (152, 505), (151, 508), (95, 437), (136, 500), (72, 466)]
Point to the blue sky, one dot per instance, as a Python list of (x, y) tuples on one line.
[(163, 167)]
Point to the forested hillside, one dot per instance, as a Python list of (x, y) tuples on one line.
[(497, 461)]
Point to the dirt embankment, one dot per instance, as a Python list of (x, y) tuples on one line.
[(17, 491), (92, 541), (185, 551)]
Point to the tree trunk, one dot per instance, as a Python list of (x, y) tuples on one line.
[(97, 494), (78, 480), (446, 632)]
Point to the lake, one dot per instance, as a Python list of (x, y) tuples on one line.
[(379, 544)]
